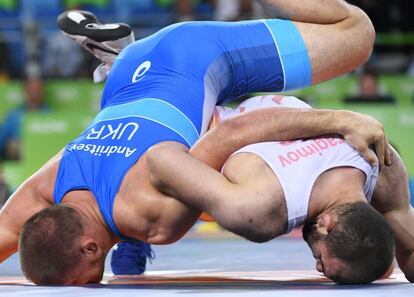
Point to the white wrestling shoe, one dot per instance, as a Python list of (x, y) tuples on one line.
[(104, 41)]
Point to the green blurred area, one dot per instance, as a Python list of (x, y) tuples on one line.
[(76, 3), (8, 4), (74, 103)]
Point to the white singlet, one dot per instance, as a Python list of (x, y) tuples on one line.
[(297, 164)]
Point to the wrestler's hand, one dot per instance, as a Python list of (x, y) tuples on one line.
[(362, 131)]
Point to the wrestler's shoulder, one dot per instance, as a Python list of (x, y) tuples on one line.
[(246, 165), (42, 182)]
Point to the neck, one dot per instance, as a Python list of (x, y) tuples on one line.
[(336, 187), (95, 226)]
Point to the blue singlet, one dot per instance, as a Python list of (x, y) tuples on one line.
[(165, 87)]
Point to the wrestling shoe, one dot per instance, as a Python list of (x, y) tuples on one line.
[(130, 258), (104, 41)]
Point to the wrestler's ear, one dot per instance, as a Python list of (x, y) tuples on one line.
[(89, 247), (326, 223)]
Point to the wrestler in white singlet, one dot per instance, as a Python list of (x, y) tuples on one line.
[(298, 164)]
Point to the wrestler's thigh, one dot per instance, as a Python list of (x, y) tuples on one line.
[(337, 48)]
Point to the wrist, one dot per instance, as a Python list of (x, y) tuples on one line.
[(340, 121)]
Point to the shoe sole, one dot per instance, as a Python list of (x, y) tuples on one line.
[(83, 23)]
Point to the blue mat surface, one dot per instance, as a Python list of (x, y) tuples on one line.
[(283, 267)]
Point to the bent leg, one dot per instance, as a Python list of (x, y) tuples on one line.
[(104, 41), (338, 36)]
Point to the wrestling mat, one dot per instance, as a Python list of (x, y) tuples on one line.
[(231, 267), (213, 278)]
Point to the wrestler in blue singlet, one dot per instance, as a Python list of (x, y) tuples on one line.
[(165, 87)]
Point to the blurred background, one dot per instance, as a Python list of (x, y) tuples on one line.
[(47, 95)]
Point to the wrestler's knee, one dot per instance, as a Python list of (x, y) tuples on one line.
[(363, 30)]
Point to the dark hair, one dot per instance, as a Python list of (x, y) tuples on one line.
[(363, 240), (49, 244)]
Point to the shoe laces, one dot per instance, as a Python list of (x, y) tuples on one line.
[(136, 248)]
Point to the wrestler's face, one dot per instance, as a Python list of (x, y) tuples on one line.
[(330, 266), (87, 273)]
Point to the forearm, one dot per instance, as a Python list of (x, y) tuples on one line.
[(163, 160), (8, 244), (272, 124), (402, 224), (22, 204), (175, 172), (309, 11), (407, 267)]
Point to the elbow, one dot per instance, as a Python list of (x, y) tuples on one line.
[(156, 182), (229, 126), (245, 223), (156, 157), (254, 234), (234, 130), (161, 160)]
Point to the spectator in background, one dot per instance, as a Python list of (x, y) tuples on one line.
[(59, 46), (185, 10), (10, 130), (369, 90), (233, 10), (224, 10)]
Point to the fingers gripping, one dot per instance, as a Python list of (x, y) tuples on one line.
[(361, 145)]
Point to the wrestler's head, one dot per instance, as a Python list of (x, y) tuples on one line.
[(351, 244), (55, 249)]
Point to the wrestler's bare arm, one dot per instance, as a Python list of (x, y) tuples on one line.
[(339, 36), (392, 199), (231, 204), (279, 124), (175, 172), (33, 195)]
